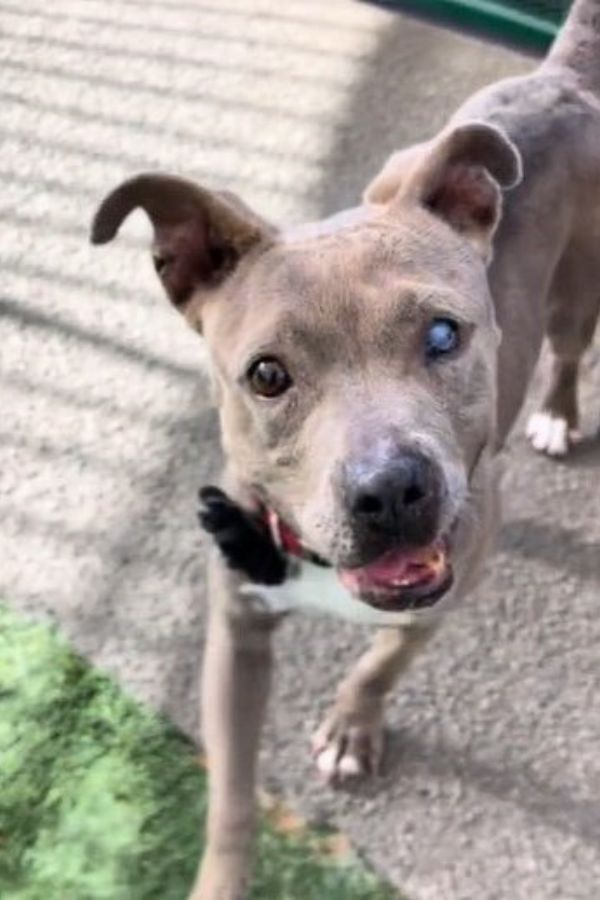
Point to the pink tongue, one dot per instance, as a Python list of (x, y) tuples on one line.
[(394, 569)]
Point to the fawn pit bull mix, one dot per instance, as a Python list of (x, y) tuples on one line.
[(367, 369)]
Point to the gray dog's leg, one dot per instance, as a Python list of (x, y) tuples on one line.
[(573, 308), (236, 680), (350, 740)]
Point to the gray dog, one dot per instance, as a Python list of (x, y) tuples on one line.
[(367, 370)]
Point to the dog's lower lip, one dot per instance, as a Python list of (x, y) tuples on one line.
[(403, 579), (408, 599)]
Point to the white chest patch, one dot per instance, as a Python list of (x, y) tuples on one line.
[(318, 590)]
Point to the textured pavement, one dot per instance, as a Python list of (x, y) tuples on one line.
[(492, 784)]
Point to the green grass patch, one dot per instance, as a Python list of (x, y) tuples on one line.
[(100, 799)]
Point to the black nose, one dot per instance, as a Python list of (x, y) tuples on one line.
[(400, 498)]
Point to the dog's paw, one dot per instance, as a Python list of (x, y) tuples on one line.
[(216, 512), (551, 434), (346, 747), (244, 541)]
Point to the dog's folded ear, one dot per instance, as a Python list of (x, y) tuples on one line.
[(458, 177), (199, 236)]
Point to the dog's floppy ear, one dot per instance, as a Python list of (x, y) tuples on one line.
[(199, 235), (459, 178)]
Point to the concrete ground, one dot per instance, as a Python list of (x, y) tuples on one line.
[(492, 787)]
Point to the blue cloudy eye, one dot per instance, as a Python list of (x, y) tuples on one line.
[(442, 338)]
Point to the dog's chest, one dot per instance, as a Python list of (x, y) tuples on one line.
[(316, 589)]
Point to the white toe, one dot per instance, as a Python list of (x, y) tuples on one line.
[(548, 434), (350, 767), (327, 762), (558, 443), (534, 423)]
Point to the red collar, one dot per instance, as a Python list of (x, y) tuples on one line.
[(288, 541)]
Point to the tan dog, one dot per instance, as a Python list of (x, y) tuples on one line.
[(367, 370)]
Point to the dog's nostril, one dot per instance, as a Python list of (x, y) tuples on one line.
[(369, 505), (412, 495), (392, 498)]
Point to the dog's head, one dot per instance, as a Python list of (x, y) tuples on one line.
[(354, 360)]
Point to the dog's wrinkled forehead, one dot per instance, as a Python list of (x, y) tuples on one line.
[(331, 292)]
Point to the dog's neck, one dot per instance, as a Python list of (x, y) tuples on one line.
[(288, 541)]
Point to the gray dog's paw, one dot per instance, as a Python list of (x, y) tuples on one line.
[(348, 746), (550, 434)]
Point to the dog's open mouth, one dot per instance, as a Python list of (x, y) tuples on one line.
[(402, 579)]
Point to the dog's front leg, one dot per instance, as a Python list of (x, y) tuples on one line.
[(349, 742), (236, 680)]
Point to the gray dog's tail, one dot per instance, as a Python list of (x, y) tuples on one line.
[(578, 45)]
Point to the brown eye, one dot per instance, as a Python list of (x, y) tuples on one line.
[(268, 377)]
